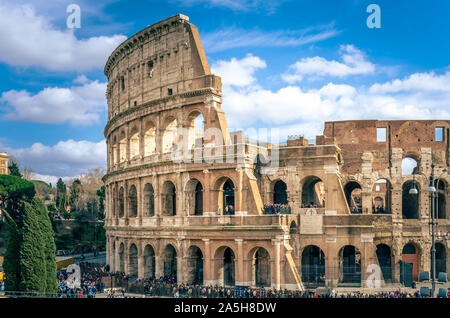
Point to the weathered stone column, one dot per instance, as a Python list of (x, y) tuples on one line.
[(277, 267), (140, 261), (239, 279), (208, 276)]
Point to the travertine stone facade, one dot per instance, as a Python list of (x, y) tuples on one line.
[(188, 202)]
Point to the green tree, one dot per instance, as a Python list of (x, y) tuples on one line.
[(49, 245), (32, 253), (101, 198), (14, 191), (14, 170), (61, 196), (11, 264), (75, 197)]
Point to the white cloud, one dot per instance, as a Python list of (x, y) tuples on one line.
[(28, 39), (354, 62), (415, 82), (238, 72), (230, 38), (296, 110), (65, 159), (78, 105)]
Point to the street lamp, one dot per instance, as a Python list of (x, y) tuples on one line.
[(431, 189)]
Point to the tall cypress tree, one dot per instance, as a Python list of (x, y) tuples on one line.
[(11, 264), (49, 245), (32, 256)]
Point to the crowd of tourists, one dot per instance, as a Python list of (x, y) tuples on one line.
[(277, 209), (90, 281), (229, 210)]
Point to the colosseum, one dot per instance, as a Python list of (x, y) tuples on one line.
[(189, 199)]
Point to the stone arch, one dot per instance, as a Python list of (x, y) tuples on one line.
[(169, 138), (384, 257), (293, 228), (410, 164), (170, 262), (121, 202), (149, 200), (194, 197), (313, 266), (132, 202), (133, 261), (261, 274), (225, 266), (441, 198), (410, 202), (280, 192), (149, 262), (122, 147), (134, 143), (196, 127), (149, 138), (382, 197), (411, 254), (121, 258), (350, 265), (225, 189), (313, 192), (353, 195), (169, 199), (194, 265)]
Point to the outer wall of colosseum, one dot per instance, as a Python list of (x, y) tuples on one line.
[(189, 199)]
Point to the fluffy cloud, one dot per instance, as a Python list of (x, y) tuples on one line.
[(78, 105), (238, 72), (230, 38), (28, 39), (353, 62), (65, 159), (295, 110)]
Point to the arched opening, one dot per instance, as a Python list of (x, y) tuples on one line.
[(149, 262), (441, 199), (134, 143), (441, 259), (350, 263), (133, 202), (384, 261), (409, 166), (261, 267), (410, 202), (313, 266), (149, 139), (169, 199), (170, 263), (226, 200), (353, 195), (170, 135), (410, 267), (280, 193), (121, 203), (122, 147), (133, 261), (313, 192), (293, 228), (382, 197), (194, 193), (228, 267), (121, 258), (196, 130), (195, 266), (149, 200)]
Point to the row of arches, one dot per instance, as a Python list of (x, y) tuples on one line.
[(194, 193), (224, 257), (149, 141)]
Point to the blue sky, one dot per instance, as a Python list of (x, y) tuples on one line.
[(290, 64)]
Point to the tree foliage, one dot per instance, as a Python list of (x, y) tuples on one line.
[(61, 196), (14, 170), (11, 264)]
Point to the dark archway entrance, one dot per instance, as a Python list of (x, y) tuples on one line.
[(280, 193), (353, 195), (350, 260), (313, 192), (410, 202), (195, 266), (261, 267), (313, 266), (228, 267), (170, 262), (384, 261), (228, 197), (149, 262)]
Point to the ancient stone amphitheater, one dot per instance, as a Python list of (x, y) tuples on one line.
[(189, 199)]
